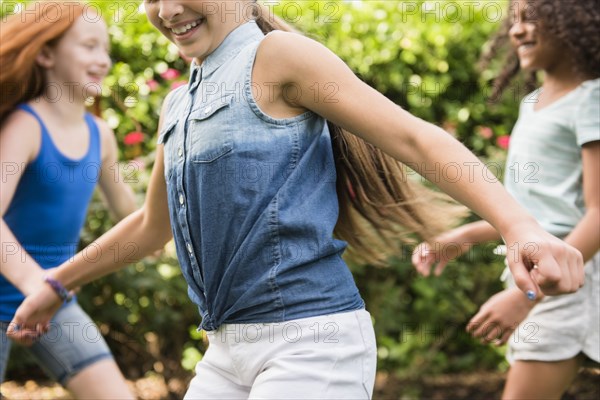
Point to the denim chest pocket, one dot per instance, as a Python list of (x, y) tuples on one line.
[(210, 131), (169, 145)]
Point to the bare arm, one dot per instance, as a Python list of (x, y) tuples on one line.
[(141, 233), (119, 196), (451, 245), (138, 235), (424, 147), (586, 234), (20, 140), (506, 310)]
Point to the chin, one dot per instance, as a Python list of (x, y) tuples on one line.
[(526, 66), (94, 90)]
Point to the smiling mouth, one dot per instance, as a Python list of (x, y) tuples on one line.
[(182, 30), (97, 77), (526, 46)]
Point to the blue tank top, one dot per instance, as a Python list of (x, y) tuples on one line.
[(252, 199), (49, 206)]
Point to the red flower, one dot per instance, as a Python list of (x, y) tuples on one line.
[(170, 74), (133, 138), (503, 141)]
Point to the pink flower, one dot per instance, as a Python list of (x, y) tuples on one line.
[(152, 84), (170, 74), (485, 132), (177, 84), (133, 138), (503, 141)]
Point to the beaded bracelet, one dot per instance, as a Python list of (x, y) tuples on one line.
[(60, 290)]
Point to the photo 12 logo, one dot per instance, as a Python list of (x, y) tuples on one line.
[(93, 11)]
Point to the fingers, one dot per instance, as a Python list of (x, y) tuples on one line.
[(523, 279), (440, 267), (505, 336), (23, 329), (577, 269), (422, 259), (483, 327), (559, 269), (24, 336)]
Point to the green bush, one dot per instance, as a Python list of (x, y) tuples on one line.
[(424, 62)]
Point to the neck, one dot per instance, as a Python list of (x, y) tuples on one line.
[(562, 77), (68, 110)]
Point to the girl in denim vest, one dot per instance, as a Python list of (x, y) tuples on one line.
[(255, 170), (53, 154), (557, 135)]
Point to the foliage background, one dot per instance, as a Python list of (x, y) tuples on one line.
[(423, 56)]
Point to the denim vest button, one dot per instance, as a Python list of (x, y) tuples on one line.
[(181, 200), (208, 110), (180, 152), (189, 247)]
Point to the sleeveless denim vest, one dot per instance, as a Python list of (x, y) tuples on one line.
[(252, 199)]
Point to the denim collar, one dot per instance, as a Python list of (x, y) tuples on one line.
[(232, 44)]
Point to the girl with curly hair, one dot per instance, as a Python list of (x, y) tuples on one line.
[(557, 135)]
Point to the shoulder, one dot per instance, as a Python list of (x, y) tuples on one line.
[(174, 96), (288, 44), (590, 91), (22, 130), (105, 131), (102, 125), (20, 119), (108, 142), (588, 99), (287, 54)]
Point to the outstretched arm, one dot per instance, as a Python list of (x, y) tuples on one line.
[(503, 312), (424, 147), (141, 233), (451, 245)]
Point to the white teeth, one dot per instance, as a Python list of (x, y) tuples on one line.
[(525, 47), (184, 29)]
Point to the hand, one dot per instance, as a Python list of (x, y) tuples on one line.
[(498, 318), (425, 257), (542, 262), (33, 316)]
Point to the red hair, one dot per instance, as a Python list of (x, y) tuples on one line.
[(24, 35)]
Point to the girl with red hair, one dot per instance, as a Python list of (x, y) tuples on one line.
[(53, 56)]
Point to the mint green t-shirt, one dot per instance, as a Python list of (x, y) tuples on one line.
[(544, 166)]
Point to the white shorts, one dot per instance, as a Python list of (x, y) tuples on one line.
[(561, 327), (325, 357)]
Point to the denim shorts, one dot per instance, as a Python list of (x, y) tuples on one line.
[(73, 343)]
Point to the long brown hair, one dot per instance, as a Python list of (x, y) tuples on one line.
[(380, 205), (23, 35), (573, 23)]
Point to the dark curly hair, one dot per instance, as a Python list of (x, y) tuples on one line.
[(574, 23)]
